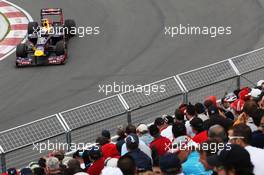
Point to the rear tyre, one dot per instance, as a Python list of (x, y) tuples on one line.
[(60, 48), (70, 27), (21, 50)]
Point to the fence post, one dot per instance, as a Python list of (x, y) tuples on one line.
[(237, 72), (69, 140), (129, 118), (3, 160), (185, 98), (238, 82)]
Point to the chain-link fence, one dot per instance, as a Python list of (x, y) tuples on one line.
[(20, 145)]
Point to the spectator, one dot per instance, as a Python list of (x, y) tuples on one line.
[(179, 116), (127, 165), (216, 118), (226, 103), (12, 171), (73, 167), (121, 138), (111, 162), (106, 134), (232, 160), (83, 157), (160, 143), (53, 166), (143, 162), (38, 171), (241, 135), (160, 123), (143, 134), (213, 146), (255, 94), (218, 133), (26, 171), (142, 146), (200, 110), (260, 84), (95, 155), (249, 109), (111, 171), (167, 132), (108, 149), (170, 164), (178, 130), (192, 165), (258, 135), (198, 128), (190, 114)]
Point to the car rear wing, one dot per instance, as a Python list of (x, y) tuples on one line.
[(51, 11)]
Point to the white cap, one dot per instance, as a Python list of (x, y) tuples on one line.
[(111, 171), (142, 128), (260, 82), (255, 93), (81, 173), (111, 162)]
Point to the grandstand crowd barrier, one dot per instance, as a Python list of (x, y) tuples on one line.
[(83, 124)]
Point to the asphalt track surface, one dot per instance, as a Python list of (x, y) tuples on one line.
[(131, 48)]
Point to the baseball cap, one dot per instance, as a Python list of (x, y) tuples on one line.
[(12, 171), (260, 82), (230, 97), (132, 139), (142, 128), (111, 171), (255, 93), (232, 154), (170, 163)]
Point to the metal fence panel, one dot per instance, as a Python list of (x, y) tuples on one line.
[(217, 89), (88, 134), (22, 157), (149, 113), (250, 79), (207, 75), (30, 133), (93, 112), (136, 99), (249, 61)]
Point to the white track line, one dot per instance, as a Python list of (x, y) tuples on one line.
[(30, 20)]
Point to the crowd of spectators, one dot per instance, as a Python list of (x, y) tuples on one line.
[(223, 137)]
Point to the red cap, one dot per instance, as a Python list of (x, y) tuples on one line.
[(213, 99), (243, 94)]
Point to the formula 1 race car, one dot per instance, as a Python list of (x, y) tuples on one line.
[(47, 43)]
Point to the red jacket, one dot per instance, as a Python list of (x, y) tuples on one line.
[(162, 144), (110, 150), (201, 137), (96, 167)]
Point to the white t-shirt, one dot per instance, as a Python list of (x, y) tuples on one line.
[(257, 158), (189, 128), (167, 133)]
